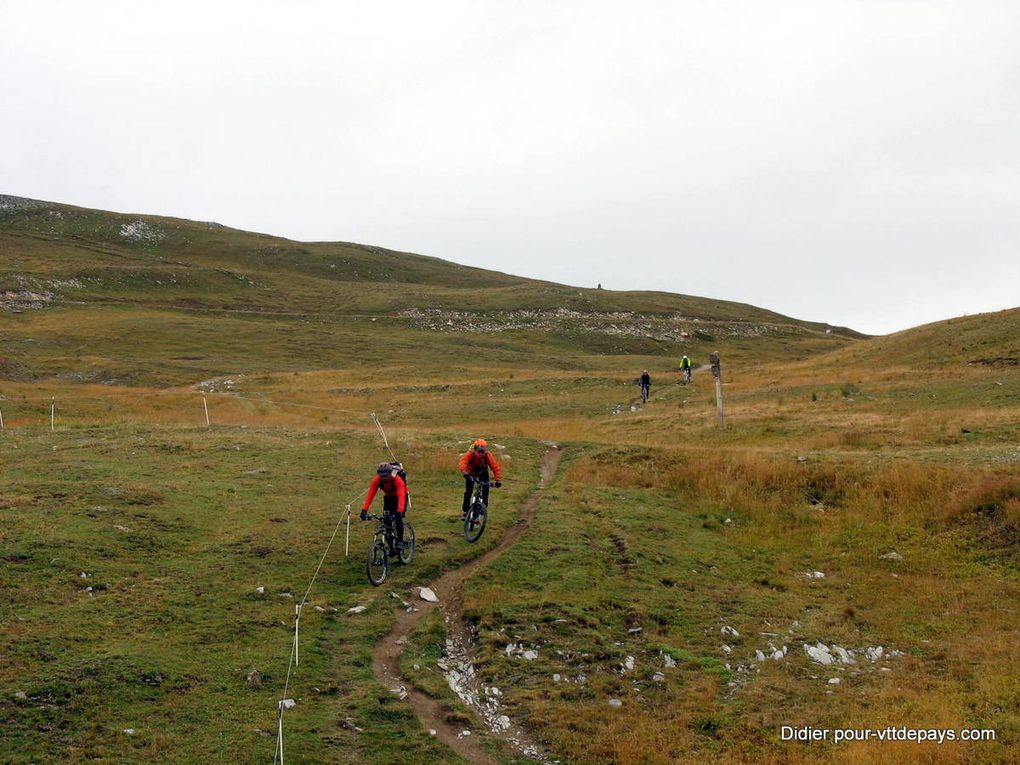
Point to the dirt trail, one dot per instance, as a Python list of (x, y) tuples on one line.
[(450, 590)]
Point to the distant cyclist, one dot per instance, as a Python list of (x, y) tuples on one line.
[(389, 477), (646, 385), (685, 368), (475, 464)]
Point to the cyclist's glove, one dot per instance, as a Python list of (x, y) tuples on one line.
[(364, 515), (497, 484)]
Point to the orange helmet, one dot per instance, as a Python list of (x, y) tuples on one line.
[(480, 444)]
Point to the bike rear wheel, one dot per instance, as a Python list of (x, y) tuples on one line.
[(407, 553), (474, 523), (377, 564)]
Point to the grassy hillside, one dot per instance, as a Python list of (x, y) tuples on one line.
[(126, 299), (863, 493)]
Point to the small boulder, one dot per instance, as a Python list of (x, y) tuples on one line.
[(615, 703), (427, 595)]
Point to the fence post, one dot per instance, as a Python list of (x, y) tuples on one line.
[(717, 374), (53, 413), (205, 406)]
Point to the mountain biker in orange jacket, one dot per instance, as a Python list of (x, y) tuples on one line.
[(475, 464), (394, 488)]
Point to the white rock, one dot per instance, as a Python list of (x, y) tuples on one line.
[(891, 556), (288, 703), (634, 630), (21, 695), (728, 520), (530, 655), (129, 731), (502, 722), (615, 703), (814, 574), (427, 595), (658, 677), (819, 653), (669, 660), (729, 631), (843, 654), (759, 656), (556, 677), (432, 732), (260, 590), (834, 681), (874, 653), (628, 663), (356, 609), (727, 649)]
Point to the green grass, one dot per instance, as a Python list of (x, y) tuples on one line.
[(837, 450)]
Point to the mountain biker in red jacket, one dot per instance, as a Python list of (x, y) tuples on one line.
[(476, 463), (394, 488)]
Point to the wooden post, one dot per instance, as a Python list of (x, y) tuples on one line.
[(205, 406), (53, 414), (1, 419), (717, 374)]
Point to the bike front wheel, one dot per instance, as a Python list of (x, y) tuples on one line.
[(474, 523), (377, 563), (407, 553)]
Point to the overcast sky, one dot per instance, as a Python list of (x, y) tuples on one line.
[(849, 162)]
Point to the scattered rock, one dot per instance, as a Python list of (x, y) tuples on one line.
[(874, 653), (814, 574), (432, 732), (125, 529), (260, 590), (669, 660), (819, 653), (658, 677), (356, 609), (844, 656), (834, 681), (628, 664), (288, 703), (891, 556), (530, 655), (615, 703), (254, 677), (727, 648), (759, 656), (634, 630), (729, 631), (427, 595), (21, 695), (286, 595), (128, 731)]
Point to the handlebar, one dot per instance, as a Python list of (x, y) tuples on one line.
[(480, 482)]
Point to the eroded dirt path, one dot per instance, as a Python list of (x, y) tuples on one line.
[(450, 590)]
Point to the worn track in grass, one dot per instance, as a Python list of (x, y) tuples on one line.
[(450, 590)]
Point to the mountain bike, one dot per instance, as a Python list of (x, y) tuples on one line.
[(384, 547), (645, 390), (685, 376), (477, 514)]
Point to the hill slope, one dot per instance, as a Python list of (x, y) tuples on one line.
[(108, 286)]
